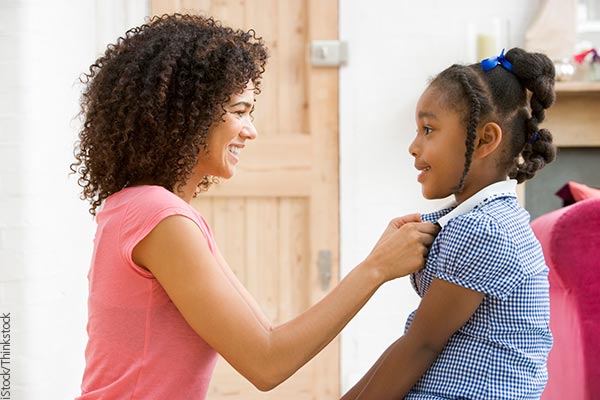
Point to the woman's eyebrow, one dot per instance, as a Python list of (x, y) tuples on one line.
[(243, 103)]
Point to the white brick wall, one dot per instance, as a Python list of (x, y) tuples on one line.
[(45, 231)]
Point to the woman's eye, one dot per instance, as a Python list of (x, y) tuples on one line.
[(239, 113)]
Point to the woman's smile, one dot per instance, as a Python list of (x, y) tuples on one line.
[(234, 153)]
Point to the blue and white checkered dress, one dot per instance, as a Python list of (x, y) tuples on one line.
[(501, 352)]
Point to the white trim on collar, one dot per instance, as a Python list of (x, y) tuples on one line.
[(498, 188)]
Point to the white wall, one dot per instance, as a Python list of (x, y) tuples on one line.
[(45, 231), (394, 47)]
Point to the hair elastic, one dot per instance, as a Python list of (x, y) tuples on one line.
[(493, 62), (534, 137)]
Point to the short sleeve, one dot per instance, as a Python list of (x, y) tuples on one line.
[(144, 214), (477, 253)]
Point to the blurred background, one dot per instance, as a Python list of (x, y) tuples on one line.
[(359, 111)]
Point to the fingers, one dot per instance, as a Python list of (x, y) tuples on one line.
[(403, 250), (425, 230), (427, 227), (396, 224), (399, 221), (425, 251)]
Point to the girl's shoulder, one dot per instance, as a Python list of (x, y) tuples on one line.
[(474, 221), (503, 215)]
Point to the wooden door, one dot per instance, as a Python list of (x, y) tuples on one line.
[(280, 211)]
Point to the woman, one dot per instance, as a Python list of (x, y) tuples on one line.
[(167, 109)]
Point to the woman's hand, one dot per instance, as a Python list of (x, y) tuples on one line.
[(396, 224), (402, 247)]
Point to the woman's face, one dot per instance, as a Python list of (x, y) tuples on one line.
[(227, 138), (439, 146)]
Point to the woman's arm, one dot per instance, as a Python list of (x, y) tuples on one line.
[(178, 256), (235, 282), (444, 309), (392, 227)]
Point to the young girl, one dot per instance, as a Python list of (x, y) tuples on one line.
[(481, 330)]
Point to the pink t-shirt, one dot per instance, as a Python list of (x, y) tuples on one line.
[(139, 346)]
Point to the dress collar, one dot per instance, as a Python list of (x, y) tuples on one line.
[(498, 189)]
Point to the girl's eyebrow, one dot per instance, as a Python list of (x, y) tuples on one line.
[(427, 114)]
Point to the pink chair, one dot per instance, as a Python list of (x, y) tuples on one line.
[(570, 239)]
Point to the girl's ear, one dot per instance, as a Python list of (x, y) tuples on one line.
[(488, 139)]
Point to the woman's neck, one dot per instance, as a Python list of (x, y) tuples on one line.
[(189, 188), (185, 192)]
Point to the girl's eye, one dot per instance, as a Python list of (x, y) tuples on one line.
[(425, 130)]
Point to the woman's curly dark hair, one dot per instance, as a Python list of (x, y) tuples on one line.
[(149, 101), (501, 96)]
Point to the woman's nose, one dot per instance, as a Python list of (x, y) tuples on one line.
[(249, 131)]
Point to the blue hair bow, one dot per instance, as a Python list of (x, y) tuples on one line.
[(493, 62)]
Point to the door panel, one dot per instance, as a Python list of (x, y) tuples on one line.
[(281, 208)]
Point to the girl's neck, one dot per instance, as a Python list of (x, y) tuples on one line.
[(473, 186)]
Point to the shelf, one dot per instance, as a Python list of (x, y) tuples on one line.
[(577, 87), (588, 27), (574, 119)]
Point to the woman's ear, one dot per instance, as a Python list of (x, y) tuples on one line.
[(488, 139)]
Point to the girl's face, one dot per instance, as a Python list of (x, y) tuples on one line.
[(439, 146), (227, 138)]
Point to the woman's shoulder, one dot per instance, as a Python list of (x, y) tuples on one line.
[(144, 197), (145, 192), (139, 209), (140, 203)]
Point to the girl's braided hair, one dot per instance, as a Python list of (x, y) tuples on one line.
[(499, 95)]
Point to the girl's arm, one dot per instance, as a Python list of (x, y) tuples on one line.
[(178, 256), (444, 309)]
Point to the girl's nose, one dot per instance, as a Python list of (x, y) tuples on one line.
[(413, 148)]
